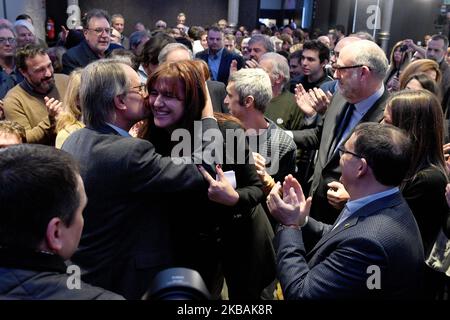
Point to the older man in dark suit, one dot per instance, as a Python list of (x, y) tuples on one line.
[(126, 237), (97, 30), (360, 71), (218, 58), (374, 249)]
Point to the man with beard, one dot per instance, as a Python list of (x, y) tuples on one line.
[(26, 102), (360, 70)]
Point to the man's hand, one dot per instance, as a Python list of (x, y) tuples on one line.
[(337, 195), (2, 113), (220, 190), (447, 194), (233, 67), (312, 102), (293, 208), (251, 63), (54, 107)]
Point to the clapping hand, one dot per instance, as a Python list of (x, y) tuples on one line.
[(312, 101), (54, 107)]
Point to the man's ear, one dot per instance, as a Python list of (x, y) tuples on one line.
[(248, 101), (363, 168), (119, 102), (53, 237)]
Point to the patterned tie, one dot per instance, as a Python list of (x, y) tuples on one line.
[(345, 121)]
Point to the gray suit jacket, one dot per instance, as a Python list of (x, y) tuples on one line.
[(125, 240), (327, 165), (382, 234)]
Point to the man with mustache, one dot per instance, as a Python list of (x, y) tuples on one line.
[(26, 102)]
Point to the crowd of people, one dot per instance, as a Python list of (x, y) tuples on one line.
[(276, 163)]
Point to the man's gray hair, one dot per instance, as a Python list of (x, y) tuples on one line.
[(255, 83), (370, 54), (101, 82), (264, 40), (162, 57), (280, 66)]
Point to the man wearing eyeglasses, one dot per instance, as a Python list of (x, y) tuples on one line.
[(97, 31), (374, 249), (9, 75), (360, 70)]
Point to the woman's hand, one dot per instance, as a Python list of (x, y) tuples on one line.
[(220, 190)]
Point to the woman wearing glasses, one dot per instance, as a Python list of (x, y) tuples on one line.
[(224, 230)]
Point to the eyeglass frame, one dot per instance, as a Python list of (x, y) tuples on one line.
[(342, 150), (142, 90), (9, 40), (336, 67), (99, 33)]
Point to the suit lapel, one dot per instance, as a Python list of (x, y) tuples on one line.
[(352, 221), (222, 66), (331, 121)]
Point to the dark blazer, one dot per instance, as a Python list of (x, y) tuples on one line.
[(224, 68), (382, 233), (78, 57), (218, 93), (423, 192), (125, 240), (327, 165), (215, 239)]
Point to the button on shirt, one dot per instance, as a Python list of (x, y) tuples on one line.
[(214, 63)]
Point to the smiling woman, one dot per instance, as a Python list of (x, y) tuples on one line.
[(229, 235)]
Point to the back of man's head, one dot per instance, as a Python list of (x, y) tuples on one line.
[(172, 47), (280, 66), (387, 150), (11, 133), (255, 83), (37, 183), (101, 82)]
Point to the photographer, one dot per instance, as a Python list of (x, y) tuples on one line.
[(399, 58)]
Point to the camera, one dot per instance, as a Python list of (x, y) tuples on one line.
[(403, 48), (178, 284)]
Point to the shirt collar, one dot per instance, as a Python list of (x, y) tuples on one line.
[(218, 54), (355, 205), (363, 106), (120, 131)]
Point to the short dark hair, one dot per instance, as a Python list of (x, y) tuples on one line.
[(387, 150), (29, 51), (97, 13), (340, 28), (316, 45), (24, 16), (215, 29), (153, 47), (436, 37), (297, 54), (37, 183), (11, 127)]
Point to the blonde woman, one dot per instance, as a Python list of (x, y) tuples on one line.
[(69, 119)]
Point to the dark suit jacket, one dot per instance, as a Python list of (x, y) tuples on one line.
[(125, 240), (78, 57), (224, 67), (327, 166), (382, 233), (218, 93)]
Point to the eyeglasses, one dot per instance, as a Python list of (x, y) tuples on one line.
[(340, 68), (10, 40), (99, 31), (342, 150), (142, 89)]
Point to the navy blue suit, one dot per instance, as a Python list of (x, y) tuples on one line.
[(382, 233)]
